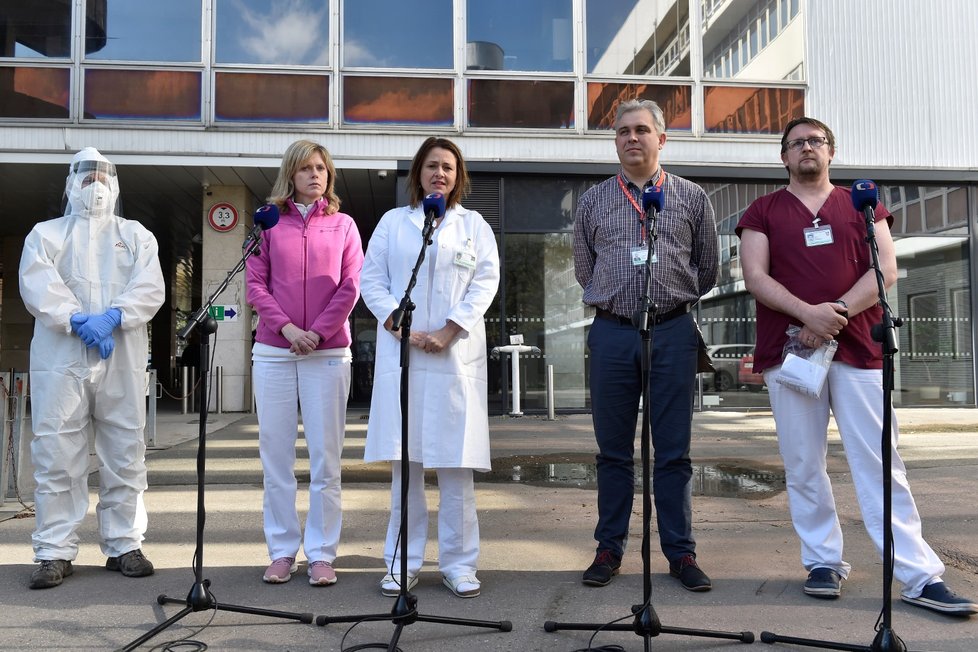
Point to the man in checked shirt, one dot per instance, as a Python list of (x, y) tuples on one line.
[(610, 255)]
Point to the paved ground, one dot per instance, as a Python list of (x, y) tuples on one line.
[(536, 539)]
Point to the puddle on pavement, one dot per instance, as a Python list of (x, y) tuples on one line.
[(720, 480)]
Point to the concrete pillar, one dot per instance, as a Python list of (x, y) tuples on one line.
[(221, 252)]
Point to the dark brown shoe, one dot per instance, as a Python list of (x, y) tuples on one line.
[(50, 573), (131, 564), (605, 566), (692, 578)]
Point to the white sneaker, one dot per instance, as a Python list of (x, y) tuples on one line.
[(390, 586), (463, 586)]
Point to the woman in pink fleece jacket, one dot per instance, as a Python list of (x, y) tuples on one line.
[(304, 285)]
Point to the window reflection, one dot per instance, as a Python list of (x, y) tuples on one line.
[(528, 36), (637, 37), (603, 99), (521, 104), (282, 32), (743, 109), (27, 31), (419, 101), (246, 97), (144, 31), (34, 92), (398, 34), (146, 94), (753, 39)]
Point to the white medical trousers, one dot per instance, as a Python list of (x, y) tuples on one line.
[(65, 410), (320, 385), (855, 397), (458, 523)]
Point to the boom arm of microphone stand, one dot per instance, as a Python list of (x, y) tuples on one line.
[(203, 313)]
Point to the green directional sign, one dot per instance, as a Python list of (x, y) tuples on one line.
[(223, 313)]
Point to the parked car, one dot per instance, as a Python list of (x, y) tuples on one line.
[(746, 376), (726, 360)]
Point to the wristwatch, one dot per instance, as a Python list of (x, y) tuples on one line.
[(844, 313)]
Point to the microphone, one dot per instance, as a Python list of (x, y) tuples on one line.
[(265, 218), (434, 208), (653, 198), (865, 196)]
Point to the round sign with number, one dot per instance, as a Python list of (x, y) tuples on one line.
[(222, 217)]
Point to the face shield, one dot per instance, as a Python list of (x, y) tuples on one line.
[(92, 187)]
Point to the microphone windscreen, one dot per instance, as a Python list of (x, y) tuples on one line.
[(434, 202), (865, 193), (267, 216), (653, 197)]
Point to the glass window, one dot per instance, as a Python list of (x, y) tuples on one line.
[(28, 31), (34, 92), (520, 35), (730, 32), (245, 97), (603, 99), (142, 94), (626, 37), (279, 32), (533, 205), (122, 30), (521, 104), (404, 100), (398, 34), (745, 109)]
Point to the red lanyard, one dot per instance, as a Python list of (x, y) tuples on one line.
[(641, 213)]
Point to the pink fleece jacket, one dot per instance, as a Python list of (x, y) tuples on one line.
[(307, 273)]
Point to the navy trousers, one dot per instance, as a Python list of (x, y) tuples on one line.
[(616, 387)]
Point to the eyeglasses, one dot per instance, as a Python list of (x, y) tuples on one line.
[(815, 142)]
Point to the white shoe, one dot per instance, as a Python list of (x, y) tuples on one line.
[(463, 586), (390, 586)]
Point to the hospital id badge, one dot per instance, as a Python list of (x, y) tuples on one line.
[(640, 255), (818, 236), (465, 258)]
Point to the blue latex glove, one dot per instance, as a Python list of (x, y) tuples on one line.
[(98, 327), (106, 347), (77, 320)]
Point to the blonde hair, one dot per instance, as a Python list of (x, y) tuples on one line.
[(416, 192), (298, 153)]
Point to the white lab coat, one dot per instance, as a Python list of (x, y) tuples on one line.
[(448, 412)]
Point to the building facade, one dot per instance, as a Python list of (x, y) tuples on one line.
[(195, 101)]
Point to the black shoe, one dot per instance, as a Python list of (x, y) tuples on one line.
[(937, 597), (823, 583), (692, 578), (50, 573), (131, 564), (605, 566)]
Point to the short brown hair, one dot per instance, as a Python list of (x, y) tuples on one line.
[(416, 192), (804, 120)]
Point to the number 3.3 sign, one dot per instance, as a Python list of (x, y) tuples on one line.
[(222, 217)]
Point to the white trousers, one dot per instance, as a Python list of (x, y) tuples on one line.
[(855, 397), (458, 523), (321, 385)]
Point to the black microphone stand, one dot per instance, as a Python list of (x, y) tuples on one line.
[(405, 611), (646, 622), (200, 597), (886, 640)]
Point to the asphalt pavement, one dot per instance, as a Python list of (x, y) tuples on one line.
[(537, 515)]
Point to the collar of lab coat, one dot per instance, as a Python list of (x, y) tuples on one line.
[(416, 215)]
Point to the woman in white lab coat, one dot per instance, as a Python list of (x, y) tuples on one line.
[(448, 416)]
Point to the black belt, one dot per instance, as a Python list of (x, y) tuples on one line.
[(678, 311)]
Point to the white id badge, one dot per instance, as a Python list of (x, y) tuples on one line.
[(465, 257), (640, 255), (817, 236)]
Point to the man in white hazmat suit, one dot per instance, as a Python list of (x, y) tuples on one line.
[(92, 281)]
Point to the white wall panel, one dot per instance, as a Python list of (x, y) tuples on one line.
[(896, 80)]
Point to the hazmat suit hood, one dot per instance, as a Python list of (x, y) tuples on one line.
[(92, 187)]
